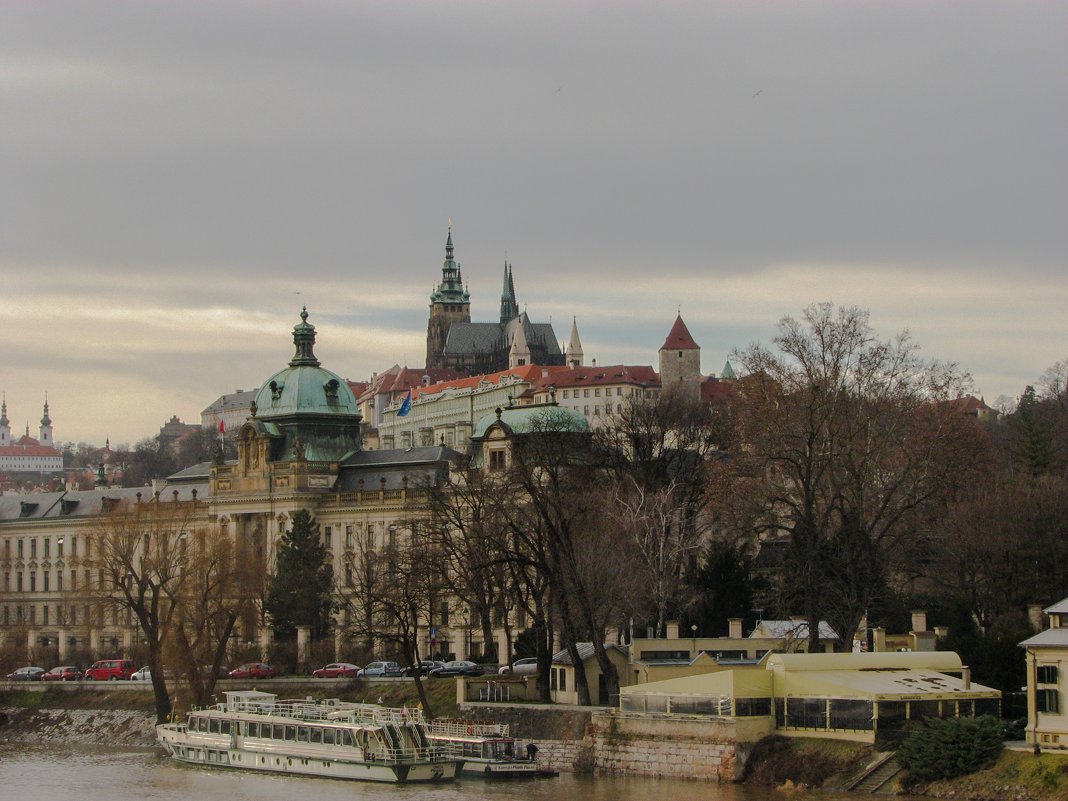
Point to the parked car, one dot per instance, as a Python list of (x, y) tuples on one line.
[(521, 667), (63, 673), (381, 670), (253, 670), (459, 667), (26, 674), (145, 674), (110, 670), (424, 668), (337, 670)]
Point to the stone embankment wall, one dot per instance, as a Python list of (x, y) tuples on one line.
[(120, 727), (586, 740)]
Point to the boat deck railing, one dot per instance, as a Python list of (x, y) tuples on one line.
[(466, 728), (331, 710)]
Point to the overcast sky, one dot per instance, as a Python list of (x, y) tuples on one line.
[(178, 178)]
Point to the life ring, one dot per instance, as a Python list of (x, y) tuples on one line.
[(470, 729)]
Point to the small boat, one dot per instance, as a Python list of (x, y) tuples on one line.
[(487, 749), (253, 730)]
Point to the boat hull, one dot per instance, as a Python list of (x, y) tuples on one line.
[(217, 755)]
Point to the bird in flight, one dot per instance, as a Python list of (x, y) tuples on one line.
[(757, 92)]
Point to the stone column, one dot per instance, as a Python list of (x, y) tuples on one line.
[(63, 642), (303, 647)]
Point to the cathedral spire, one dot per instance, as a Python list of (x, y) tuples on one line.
[(509, 308), (46, 426)]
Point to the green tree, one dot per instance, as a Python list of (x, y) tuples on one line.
[(943, 749), (300, 592)]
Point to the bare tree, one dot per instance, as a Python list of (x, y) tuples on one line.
[(139, 557), (858, 444)]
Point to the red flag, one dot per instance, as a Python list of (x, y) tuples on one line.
[(222, 427)]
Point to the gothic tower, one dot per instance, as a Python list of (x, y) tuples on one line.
[(680, 361), (509, 307), (449, 303), (574, 346), (5, 424)]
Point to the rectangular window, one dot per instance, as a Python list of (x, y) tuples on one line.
[(619, 391), (33, 613), (47, 580), (585, 393), (33, 581), (348, 575), (59, 548), (73, 546), (44, 614), (7, 549), (1048, 701), (496, 460), (47, 547), (20, 549), (59, 580), (597, 392), (18, 581), (326, 537), (348, 536), (1047, 674), (567, 393), (33, 548)]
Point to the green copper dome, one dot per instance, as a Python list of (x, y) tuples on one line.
[(305, 388)]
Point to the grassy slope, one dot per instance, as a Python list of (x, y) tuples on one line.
[(1016, 776), (809, 762)]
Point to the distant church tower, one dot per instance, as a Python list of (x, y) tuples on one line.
[(680, 361), (5, 425), (449, 303), (574, 347), (509, 307), (46, 427)]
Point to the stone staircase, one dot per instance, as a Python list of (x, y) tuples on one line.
[(876, 775)]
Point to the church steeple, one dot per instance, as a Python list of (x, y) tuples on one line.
[(519, 352), (450, 303), (5, 424), (574, 346), (46, 426), (509, 307), (451, 289)]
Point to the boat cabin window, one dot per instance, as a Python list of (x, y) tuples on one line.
[(213, 725), (302, 734), (316, 735), (347, 738), (328, 736), (291, 733), (224, 726)]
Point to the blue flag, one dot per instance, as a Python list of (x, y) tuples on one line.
[(406, 405)]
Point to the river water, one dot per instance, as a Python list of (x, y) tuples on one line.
[(98, 773)]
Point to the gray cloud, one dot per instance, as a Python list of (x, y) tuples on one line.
[(204, 154)]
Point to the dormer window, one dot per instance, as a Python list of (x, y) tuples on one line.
[(330, 389)]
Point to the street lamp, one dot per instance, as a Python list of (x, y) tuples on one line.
[(693, 639)]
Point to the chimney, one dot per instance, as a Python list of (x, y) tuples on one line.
[(673, 629), (919, 620), (965, 677), (878, 639), (1034, 615), (734, 628)]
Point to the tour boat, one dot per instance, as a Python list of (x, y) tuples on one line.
[(486, 749), (335, 739)]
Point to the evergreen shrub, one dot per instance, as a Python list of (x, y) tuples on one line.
[(942, 749)]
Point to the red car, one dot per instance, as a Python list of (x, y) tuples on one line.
[(253, 670), (337, 670), (63, 673)]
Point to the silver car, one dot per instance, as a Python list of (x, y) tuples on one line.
[(521, 667)]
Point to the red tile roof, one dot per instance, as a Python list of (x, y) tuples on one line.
[(679, 337), (600, 376)]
